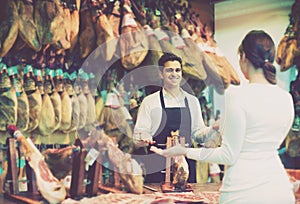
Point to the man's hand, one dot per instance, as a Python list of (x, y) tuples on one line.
[(142, 139), (216, 125), (147, 142), (144, 143), (177, 150)]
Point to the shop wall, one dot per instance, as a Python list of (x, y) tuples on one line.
[(235, 18)]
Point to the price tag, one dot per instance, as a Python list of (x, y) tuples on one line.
[(91, 158)]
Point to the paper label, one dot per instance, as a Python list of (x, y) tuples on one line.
[(149, 30), (91, 157), (161, 35), (177, 42), (128, 21), (214, 168)]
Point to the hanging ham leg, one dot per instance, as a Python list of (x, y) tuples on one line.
[(281, 49), (50, 188), (53, 25), (288, 49), (233, 76), (64, 39), (56, 102), (105, 35), (35, 102), (9, 23), (83, 104), (286, 53), (189, 69), (99, 105), (91, 111), (225, 69), (8, 101), (87, 35), (74, 6), (75, 108), (114, 21), (191, 53), (23, 112), (27, 26), (47, 116), (114, 18), (66, 117), (149, 74), (134, 43)]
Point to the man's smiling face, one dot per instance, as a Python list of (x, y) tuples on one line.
[(171, 74)]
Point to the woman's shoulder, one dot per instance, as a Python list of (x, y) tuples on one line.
[(233, 91), (256, 90), (284, 94)]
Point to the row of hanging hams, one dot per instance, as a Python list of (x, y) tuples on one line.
[(288, 51), (134, 32), (288, 56), (78, 26), (202, 59), (45, 103), (39, 23), (182, 33)]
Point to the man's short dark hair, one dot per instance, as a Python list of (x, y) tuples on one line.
[(168, 57)]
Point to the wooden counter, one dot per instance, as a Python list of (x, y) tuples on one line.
[(196, 187), (207, 190), (154, 186)]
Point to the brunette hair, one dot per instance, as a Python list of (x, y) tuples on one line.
[(166, 57), (259, 49)]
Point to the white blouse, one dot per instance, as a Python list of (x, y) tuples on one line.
[(256, 121)]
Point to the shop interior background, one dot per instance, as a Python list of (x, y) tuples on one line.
[(234, 18)]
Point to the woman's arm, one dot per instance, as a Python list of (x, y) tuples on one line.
[(201, 132), (233, 138)]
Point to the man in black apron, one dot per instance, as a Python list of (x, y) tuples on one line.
[(172, 119), (175, 116)]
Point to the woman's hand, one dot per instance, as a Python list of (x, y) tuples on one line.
[(177, 150)]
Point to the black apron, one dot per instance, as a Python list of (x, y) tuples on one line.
[(172, 119)]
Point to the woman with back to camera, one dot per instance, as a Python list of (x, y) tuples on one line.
[(257, 119)]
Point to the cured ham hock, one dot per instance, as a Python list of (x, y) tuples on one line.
[(129, 170), (179, 167), (49, 186)]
